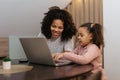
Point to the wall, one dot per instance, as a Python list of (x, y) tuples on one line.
[(111, 21), (23, 17)]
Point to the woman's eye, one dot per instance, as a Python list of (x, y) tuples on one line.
[(53, 26), (60, 28)]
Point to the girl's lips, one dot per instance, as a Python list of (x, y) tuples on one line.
[(79, 40)]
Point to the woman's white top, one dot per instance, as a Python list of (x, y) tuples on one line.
[(56, 46)]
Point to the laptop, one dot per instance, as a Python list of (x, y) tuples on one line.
[(37, 51)]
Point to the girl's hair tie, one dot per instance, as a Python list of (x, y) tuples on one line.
[(92, 25)]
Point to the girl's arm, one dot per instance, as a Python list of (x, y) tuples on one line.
[(58, 57), (92, 52)]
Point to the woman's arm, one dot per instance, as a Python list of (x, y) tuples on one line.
[(69, 45)]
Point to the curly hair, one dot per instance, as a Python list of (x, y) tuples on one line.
[(69, 27)]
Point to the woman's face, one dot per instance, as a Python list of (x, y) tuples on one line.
[(84, 36), (57, 28)]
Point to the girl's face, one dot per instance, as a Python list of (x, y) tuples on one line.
[(84, 36), (57, 28)]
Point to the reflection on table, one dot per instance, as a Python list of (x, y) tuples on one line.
[(43, 72)]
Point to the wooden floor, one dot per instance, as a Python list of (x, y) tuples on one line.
[(4, 42)]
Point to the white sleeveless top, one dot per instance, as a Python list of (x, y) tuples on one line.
[(56, 46)]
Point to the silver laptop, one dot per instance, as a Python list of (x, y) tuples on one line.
[(37, 51)]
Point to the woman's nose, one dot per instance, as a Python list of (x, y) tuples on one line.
[(56, 29)]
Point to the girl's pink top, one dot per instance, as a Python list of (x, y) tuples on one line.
[(85, 55)]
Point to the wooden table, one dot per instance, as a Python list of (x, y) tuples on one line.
[(43, 72)]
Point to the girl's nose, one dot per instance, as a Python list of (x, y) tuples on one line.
[(78, 37)]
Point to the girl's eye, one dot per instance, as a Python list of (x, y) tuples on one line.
[(80, 35)]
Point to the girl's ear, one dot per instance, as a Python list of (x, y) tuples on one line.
[(91, 36)]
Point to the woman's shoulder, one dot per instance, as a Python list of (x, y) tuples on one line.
[(40, 35)]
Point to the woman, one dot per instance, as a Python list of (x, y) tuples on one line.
[(58, 29)]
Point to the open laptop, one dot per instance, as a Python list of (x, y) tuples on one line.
[(37, 51)]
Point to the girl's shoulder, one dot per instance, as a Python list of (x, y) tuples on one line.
[(93, 46)]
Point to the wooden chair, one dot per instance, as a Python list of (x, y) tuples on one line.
[(94, 76)]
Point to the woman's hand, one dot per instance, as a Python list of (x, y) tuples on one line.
[(57, 57), (54, 55)]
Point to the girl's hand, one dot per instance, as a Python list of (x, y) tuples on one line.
[(59, 57)]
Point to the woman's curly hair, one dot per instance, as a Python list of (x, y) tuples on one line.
[(69, 27)]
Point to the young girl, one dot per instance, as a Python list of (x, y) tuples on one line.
[(91, 42)]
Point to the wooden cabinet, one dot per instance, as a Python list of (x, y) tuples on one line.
[(4, 42)]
